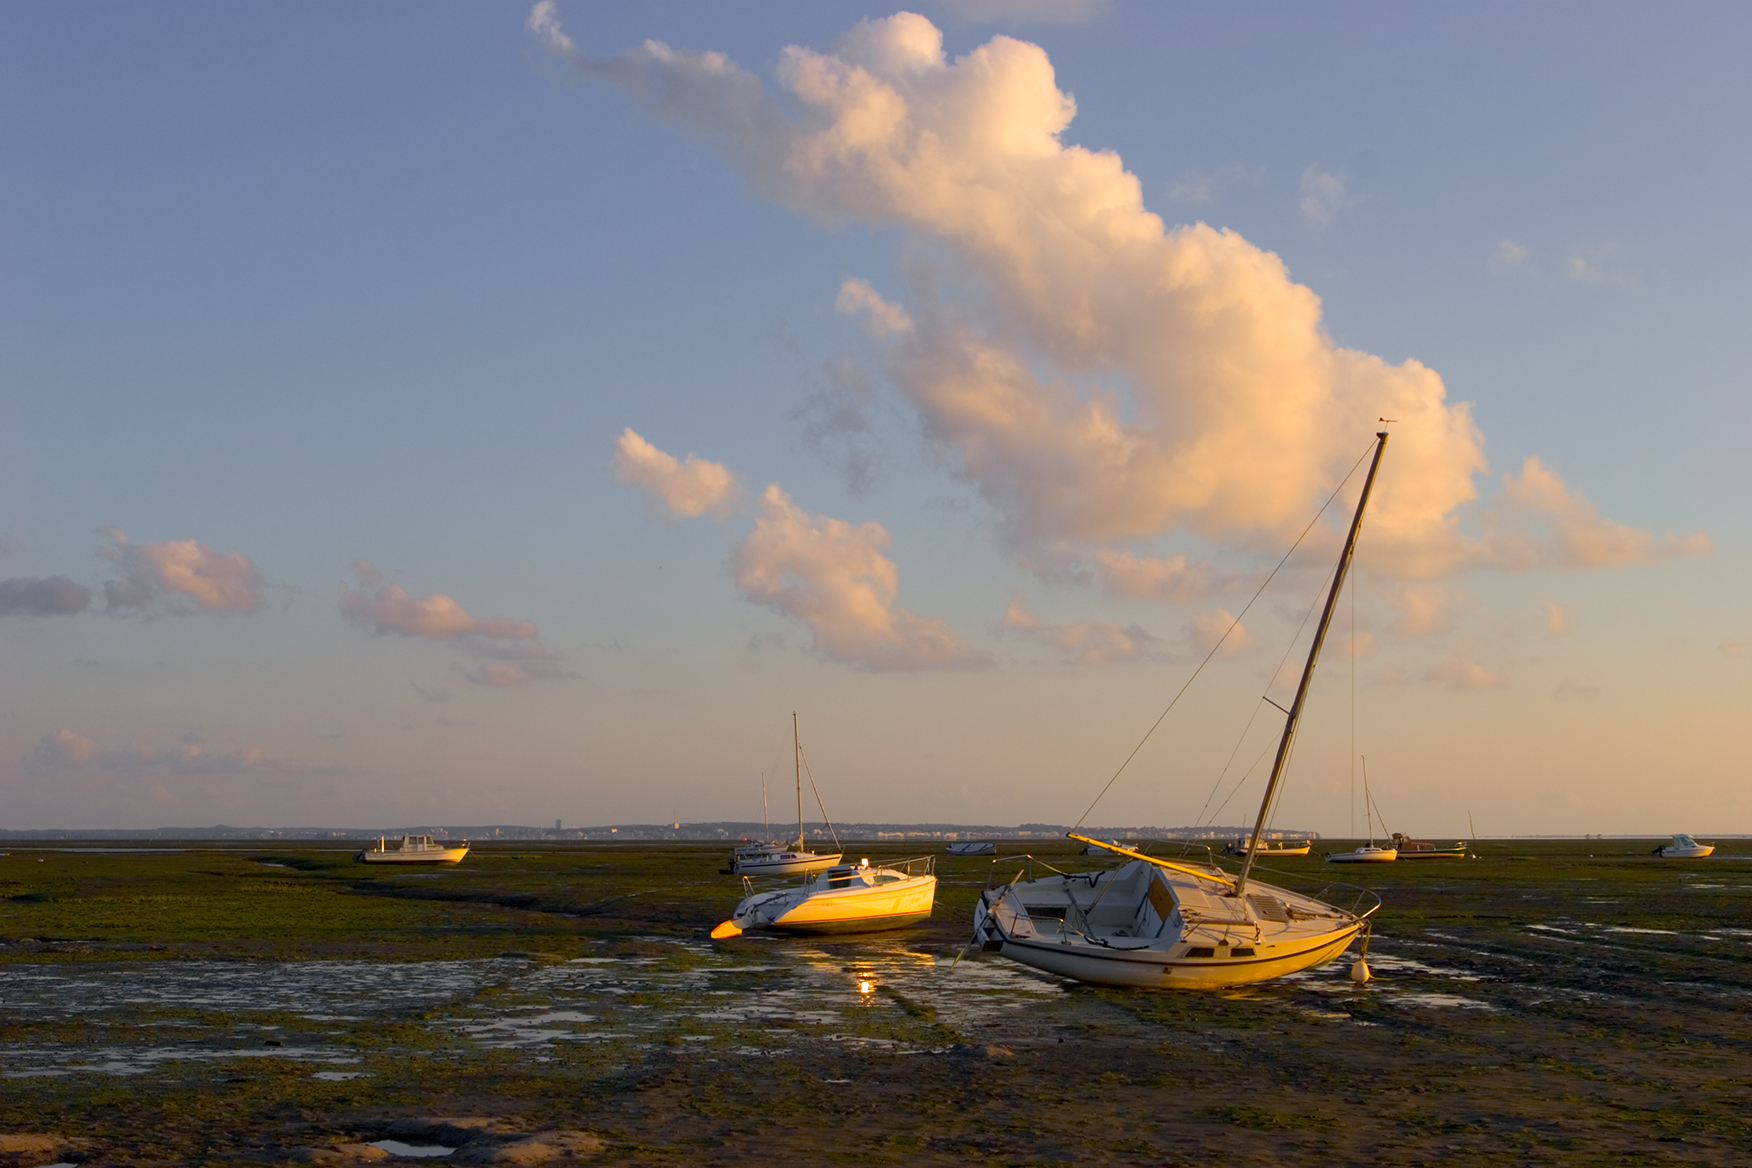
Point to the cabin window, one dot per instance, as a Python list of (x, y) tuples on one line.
[(1055, 911), (1240, 953), (1201, 951)]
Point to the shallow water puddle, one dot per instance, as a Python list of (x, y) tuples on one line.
[(413, 1151)]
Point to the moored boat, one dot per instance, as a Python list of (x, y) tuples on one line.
[(782, 859), (972, 848), (414, 849), (841, 899), (1269, 848), (1366, 854), (1683, 847), (1167, 924), (1410, 849)]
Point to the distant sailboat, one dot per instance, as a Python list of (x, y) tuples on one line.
[(776, 859), (1369, 853), (1164, 923)]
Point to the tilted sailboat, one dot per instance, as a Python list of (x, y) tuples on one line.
[(1169, 924), (842, 899), (776, 859)]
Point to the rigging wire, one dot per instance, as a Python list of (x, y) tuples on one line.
[(817, 792), (1288, 649), (1232, 627)]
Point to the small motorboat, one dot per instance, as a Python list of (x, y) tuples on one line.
[(841, 899), (972, 848), (414, 849), (1684, 847), (1367, 854), (1410, 849), (1268, 848)]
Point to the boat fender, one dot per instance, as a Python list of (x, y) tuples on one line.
[(1359, 972)]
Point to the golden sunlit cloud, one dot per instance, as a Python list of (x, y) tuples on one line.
[(1085, 643), (833, 577), (165, 577), (689, 488), (1118, 379)]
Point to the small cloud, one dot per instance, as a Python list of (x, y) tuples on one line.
[(161, 793), (1575, 535), (1324, 195), (1597, 265), (881, 319), (1087, 643), (1507, 257), (833, 577), (166, 577), (544, 22), (48, 596), (1734, 649), (390, 609), (689, 488), (1460, 673), (1557, 621), (63, 748), (1215, 627), (1195, 188), (516, 664), (836, 425), (1169, 578)]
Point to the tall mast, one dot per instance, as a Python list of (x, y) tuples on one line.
[(766, 817), (797, 758), (1295, 712)]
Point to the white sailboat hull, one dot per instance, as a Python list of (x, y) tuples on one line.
[(782, 863), (1141, 927), (1364, 856)]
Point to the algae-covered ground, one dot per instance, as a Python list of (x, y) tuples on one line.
[(1550, 1003)]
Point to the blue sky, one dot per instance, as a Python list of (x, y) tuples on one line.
[(315, 285)]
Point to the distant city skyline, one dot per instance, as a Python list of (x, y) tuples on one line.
[(497, 412)]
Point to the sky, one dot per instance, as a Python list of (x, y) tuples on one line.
[(486, 413)]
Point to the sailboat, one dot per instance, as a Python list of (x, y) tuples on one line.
[(1369, 853), (841, 899), (1176, 925), (777, 859)]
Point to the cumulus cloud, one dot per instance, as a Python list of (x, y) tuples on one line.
[(63, 748), (1115, 378), (1087, 643), (391, 609), (178, 576), (47, 596), (1538, 522), (1324, 195), (1460, 673), (1216, 627), (1506, 257), (690, 488), (508, 650), (1557, 621), (833, 577)]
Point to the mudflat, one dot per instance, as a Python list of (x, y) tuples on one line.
[(1574, 1002)]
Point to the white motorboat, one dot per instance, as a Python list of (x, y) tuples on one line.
[(782, 859), (1168, 924), (972, 848), (1684, 847), (414, 849), (841, 899)]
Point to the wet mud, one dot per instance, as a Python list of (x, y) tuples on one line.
[(1550, 1003)]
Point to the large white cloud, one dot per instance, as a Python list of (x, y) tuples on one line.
[(834, 578), (690, 488), (1113, 379)]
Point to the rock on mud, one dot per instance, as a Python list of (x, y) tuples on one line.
[(492, 1141)]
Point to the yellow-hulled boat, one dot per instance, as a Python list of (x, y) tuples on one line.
[(414, 849), (842, 899)]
